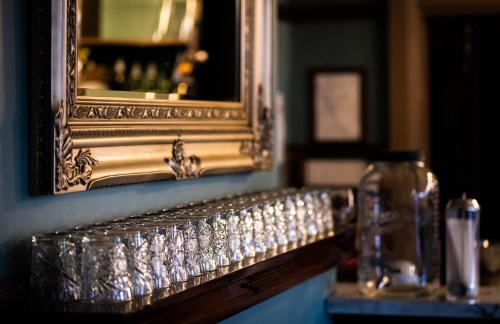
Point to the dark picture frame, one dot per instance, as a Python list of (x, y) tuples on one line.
[(337, 97), (299, 157), (333, 172)]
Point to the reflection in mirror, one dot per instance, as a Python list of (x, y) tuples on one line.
[(166, 49)]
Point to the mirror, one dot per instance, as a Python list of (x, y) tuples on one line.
[(169, 49), (131, 91)]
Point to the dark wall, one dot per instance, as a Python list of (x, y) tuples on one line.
[(464, 70)]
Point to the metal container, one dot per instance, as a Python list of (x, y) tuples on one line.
[(462, 248)]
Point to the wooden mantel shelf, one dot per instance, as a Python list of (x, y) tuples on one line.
[(213, 299)]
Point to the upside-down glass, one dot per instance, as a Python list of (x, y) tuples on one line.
[(191, 248), (258, 227), (232, 215), (202, 219), (159, 256), (206, 236), (310, 214), (221, 249), (106, 268), (269, 223), (318, 212), (280, 220), (56, 274), (140, 259), (116, 260), (290, 212), (175, 243), (301, 213), (326, 211), (342, 206), (247, 231)]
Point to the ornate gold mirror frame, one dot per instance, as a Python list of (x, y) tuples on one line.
[(82, 143)]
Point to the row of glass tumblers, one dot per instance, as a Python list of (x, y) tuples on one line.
[(129, 257)]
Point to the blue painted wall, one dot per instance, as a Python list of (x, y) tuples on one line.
[(304, 303), (22, 215), (335, 43)]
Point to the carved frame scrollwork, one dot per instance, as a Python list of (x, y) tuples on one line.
[(70, 170), (80, 143)]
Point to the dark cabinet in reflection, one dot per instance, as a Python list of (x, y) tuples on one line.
[(184, 49)]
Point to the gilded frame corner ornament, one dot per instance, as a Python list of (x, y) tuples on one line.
[(70, 170), (97, 142), (184, 166), (261, 147)]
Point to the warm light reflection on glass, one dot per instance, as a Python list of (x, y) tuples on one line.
[(430, 182), (173, 96), (182, 89), (164, 21), (189, 19), (486, 244), (201, 56)]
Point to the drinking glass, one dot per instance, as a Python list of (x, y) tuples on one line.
[(106, 268), (343, 208), (55, 271)]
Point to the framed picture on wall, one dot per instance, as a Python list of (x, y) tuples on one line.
[(338, 104), (333, 172), (320, 166)]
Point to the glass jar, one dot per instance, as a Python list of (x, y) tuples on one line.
[(398, 227)]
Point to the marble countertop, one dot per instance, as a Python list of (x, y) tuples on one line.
[(346, 300)]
